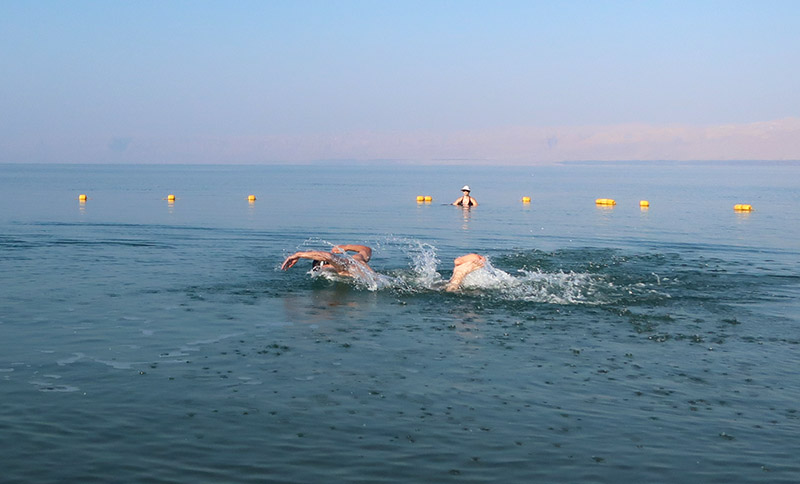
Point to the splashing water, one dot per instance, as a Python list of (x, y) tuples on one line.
[(423, 264), (559, 287), (535, 285), (361, 278)]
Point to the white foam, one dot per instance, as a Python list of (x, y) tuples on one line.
[(533, 285), (118, 365), (69, 361), (213, 340)]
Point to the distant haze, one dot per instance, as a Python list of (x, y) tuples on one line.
[(776, 140), (445, 82)]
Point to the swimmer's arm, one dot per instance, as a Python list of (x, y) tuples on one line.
[(463, 266), (454, 284), (366, 252), (474, 202), (458, 200), (312, 255), (470, 258)]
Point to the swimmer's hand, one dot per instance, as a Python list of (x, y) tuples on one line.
[(290, 261), (451, 287), (312, 255)]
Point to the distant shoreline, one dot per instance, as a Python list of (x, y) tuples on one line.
[(687, 162), (403, 163)]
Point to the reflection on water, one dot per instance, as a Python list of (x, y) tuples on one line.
[(466, 214), (327, 301)]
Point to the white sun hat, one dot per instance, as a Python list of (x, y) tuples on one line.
[(465, 187)]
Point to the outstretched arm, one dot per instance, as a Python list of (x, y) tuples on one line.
[(312, 255), (363, 250), (463, 266)]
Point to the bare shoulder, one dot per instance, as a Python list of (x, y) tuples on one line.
[(364, 251), (474, 258)]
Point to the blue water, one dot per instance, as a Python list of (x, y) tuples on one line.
[(147, 341)]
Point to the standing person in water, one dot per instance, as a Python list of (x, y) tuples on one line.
[(356, 266), (465, 200)]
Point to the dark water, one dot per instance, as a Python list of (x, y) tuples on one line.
[(142, 341)]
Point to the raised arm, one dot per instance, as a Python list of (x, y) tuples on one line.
[(463, 266), (363, 250)]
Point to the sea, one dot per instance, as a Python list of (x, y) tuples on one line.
[(152, 340)]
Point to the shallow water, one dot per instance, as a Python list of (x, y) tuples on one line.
[(147, 341)]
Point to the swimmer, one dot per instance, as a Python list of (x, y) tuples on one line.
[(336, 261), (465, 200), (356, 266)]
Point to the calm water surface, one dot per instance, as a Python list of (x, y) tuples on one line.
[(147, 341)]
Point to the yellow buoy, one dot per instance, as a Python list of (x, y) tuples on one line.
[(428, 198), (171, 197), (82, 197), (251, 198), (605, 201), (742, 207), (526, 199), (644, 203), (420, 198)]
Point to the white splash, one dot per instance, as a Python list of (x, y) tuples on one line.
[(533, 286), (423, 264), (422, 275)]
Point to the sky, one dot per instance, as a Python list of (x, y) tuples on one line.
[(500, 82)]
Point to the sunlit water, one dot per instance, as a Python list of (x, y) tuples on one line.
[(147, 341)]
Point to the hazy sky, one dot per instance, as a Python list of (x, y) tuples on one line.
[(491, 81)]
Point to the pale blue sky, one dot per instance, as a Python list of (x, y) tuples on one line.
[(86, 79)]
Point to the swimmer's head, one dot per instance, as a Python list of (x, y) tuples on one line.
[(317, 265)]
